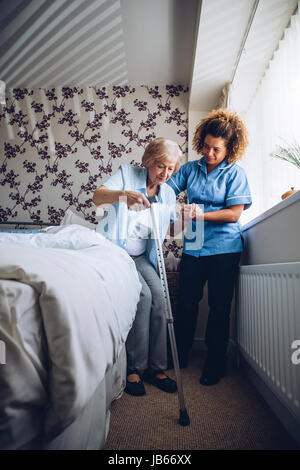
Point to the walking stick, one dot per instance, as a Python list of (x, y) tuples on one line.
[(184, 419)]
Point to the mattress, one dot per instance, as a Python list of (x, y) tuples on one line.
[(90, 429)]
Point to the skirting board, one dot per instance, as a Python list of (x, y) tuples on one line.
[(287, 419)]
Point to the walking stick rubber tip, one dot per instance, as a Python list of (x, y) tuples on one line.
[(184, 419)]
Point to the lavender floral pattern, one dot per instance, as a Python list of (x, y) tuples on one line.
[(59, 145)]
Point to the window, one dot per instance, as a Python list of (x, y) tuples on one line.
[(273, 118)]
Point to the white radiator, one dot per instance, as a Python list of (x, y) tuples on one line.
[(268, 323)]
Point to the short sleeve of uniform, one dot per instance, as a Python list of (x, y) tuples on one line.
[(238, 190), (178, 181), (116, 181)]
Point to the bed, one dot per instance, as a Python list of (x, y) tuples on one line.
[(65, 311)]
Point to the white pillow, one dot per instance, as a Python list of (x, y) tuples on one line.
[(71, 218), (71, 237)]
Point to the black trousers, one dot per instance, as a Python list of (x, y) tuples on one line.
[(219, 271)]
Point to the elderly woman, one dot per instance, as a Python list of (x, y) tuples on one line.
[(129, 226), (217, 182)]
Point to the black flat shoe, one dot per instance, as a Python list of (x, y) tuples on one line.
[(210, 378), (166, 385), (212, 373), (135, 388)]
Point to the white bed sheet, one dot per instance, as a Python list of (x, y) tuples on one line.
[(20, 303), (22, 401), (87, 300)]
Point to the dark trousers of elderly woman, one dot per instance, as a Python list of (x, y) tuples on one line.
[(219, 271)]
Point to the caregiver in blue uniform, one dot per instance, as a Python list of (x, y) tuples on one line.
[(217, 182)]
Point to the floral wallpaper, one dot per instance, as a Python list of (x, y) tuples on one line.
[(58, 145)]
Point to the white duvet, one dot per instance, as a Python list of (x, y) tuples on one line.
[(88, 289)]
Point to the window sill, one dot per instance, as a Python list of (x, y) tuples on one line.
[(273, 210)]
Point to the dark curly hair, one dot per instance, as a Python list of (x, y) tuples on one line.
[(225, 124)]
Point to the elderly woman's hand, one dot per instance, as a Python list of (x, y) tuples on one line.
[(136, 201), (191, 212)]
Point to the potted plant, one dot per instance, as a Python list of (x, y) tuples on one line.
[(291, 154)]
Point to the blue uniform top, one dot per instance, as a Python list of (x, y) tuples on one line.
[(118, 221), (225, 186)]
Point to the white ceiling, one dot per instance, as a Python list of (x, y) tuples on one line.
[(235, 35), (47, 43), (267, 28), (220, 34)]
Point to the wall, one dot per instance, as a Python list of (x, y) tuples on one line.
[(194, 119), (270, 323), (273, 237), (57, 145)]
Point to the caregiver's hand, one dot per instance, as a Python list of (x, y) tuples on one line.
[(192, 212)]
